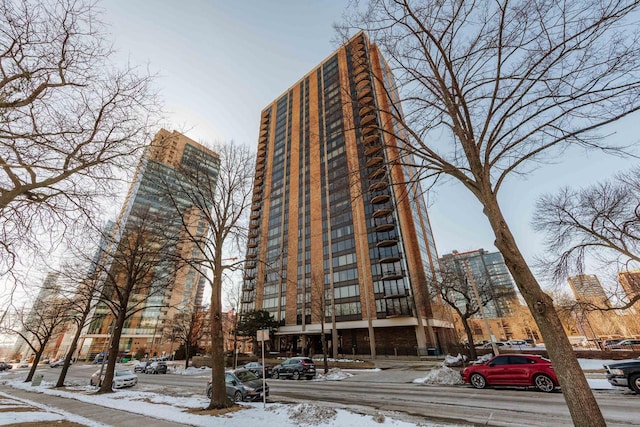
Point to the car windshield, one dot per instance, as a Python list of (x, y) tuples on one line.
[(246, 376), (123, 373)]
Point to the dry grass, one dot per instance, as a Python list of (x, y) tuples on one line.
[(215, 412), (60, 423)]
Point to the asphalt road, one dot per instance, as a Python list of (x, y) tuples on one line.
[(392, 390)]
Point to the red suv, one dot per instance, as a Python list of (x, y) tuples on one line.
[(512, 370)]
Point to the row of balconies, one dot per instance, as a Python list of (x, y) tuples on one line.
[(376, 168), (250, 272)]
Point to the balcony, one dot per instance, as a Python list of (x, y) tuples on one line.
[(369, 130), (361, 76), (377, 173), (365, 109), (359, 68), (369, 119), (382, 212), (389, 259), (363, 84), (379, 185), (371, 139), (379, 198), (369, 151), (386, 243), (363, 92), (257, 189), (373, 161), (256, 207), (365, 100), (253, 234), (392, 274), (254, 216)]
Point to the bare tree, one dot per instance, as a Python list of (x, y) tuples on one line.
[(321, 307), (37, 325), (82, 301), (455, 290), (139, 263), (187, 329), (488, 90), (69, 120), (222, 203), (600, 225)]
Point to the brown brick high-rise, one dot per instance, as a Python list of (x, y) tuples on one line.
[(337, 241)]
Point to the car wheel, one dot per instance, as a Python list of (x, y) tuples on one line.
[(209, 393), (275, 375), (544, 383), (295, 375), (478, 381), (634, 383), (237, 396)]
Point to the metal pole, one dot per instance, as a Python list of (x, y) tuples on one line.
[(476, 294), (264, 381)]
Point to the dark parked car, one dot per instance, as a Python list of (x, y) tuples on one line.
[(242, 385), (628, 344), (512, 370), (5, 366), (624, 374), (295, 368), (140, 367), (156, 368), (258, 369)]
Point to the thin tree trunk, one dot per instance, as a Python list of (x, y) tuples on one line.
[(72, 348), (472, 348), (575, 388), (35, 362), (219, 398), (112, 355)]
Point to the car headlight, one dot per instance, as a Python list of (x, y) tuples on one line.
[(616, 371)]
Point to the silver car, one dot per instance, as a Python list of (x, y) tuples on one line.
[(121, 378)]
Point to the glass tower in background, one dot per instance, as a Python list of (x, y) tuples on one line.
[(168, 152), (490, 274)]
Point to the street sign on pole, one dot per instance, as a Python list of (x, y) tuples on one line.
[(262, 336)]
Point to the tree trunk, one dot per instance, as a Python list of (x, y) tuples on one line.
[(187, 351), (323, 341), (472, 348), (72, 349), (112, 354), (575, 388), (35, 362), (219, 398)]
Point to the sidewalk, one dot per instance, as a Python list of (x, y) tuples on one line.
[(99, 414)]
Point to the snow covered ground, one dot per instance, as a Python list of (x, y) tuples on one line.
[(181, 409)]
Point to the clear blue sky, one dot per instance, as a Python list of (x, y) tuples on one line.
[(221, 62)]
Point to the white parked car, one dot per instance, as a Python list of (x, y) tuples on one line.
[(121, 378)]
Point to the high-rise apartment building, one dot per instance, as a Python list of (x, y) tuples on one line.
[(167, 153), (339, 238), (489, 273), (587, 288)]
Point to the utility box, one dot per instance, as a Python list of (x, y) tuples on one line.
[(37, 380)]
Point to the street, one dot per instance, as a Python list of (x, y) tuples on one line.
[(392, 390)]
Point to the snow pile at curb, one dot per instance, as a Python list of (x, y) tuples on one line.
[(334, 374), (441, 376)]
